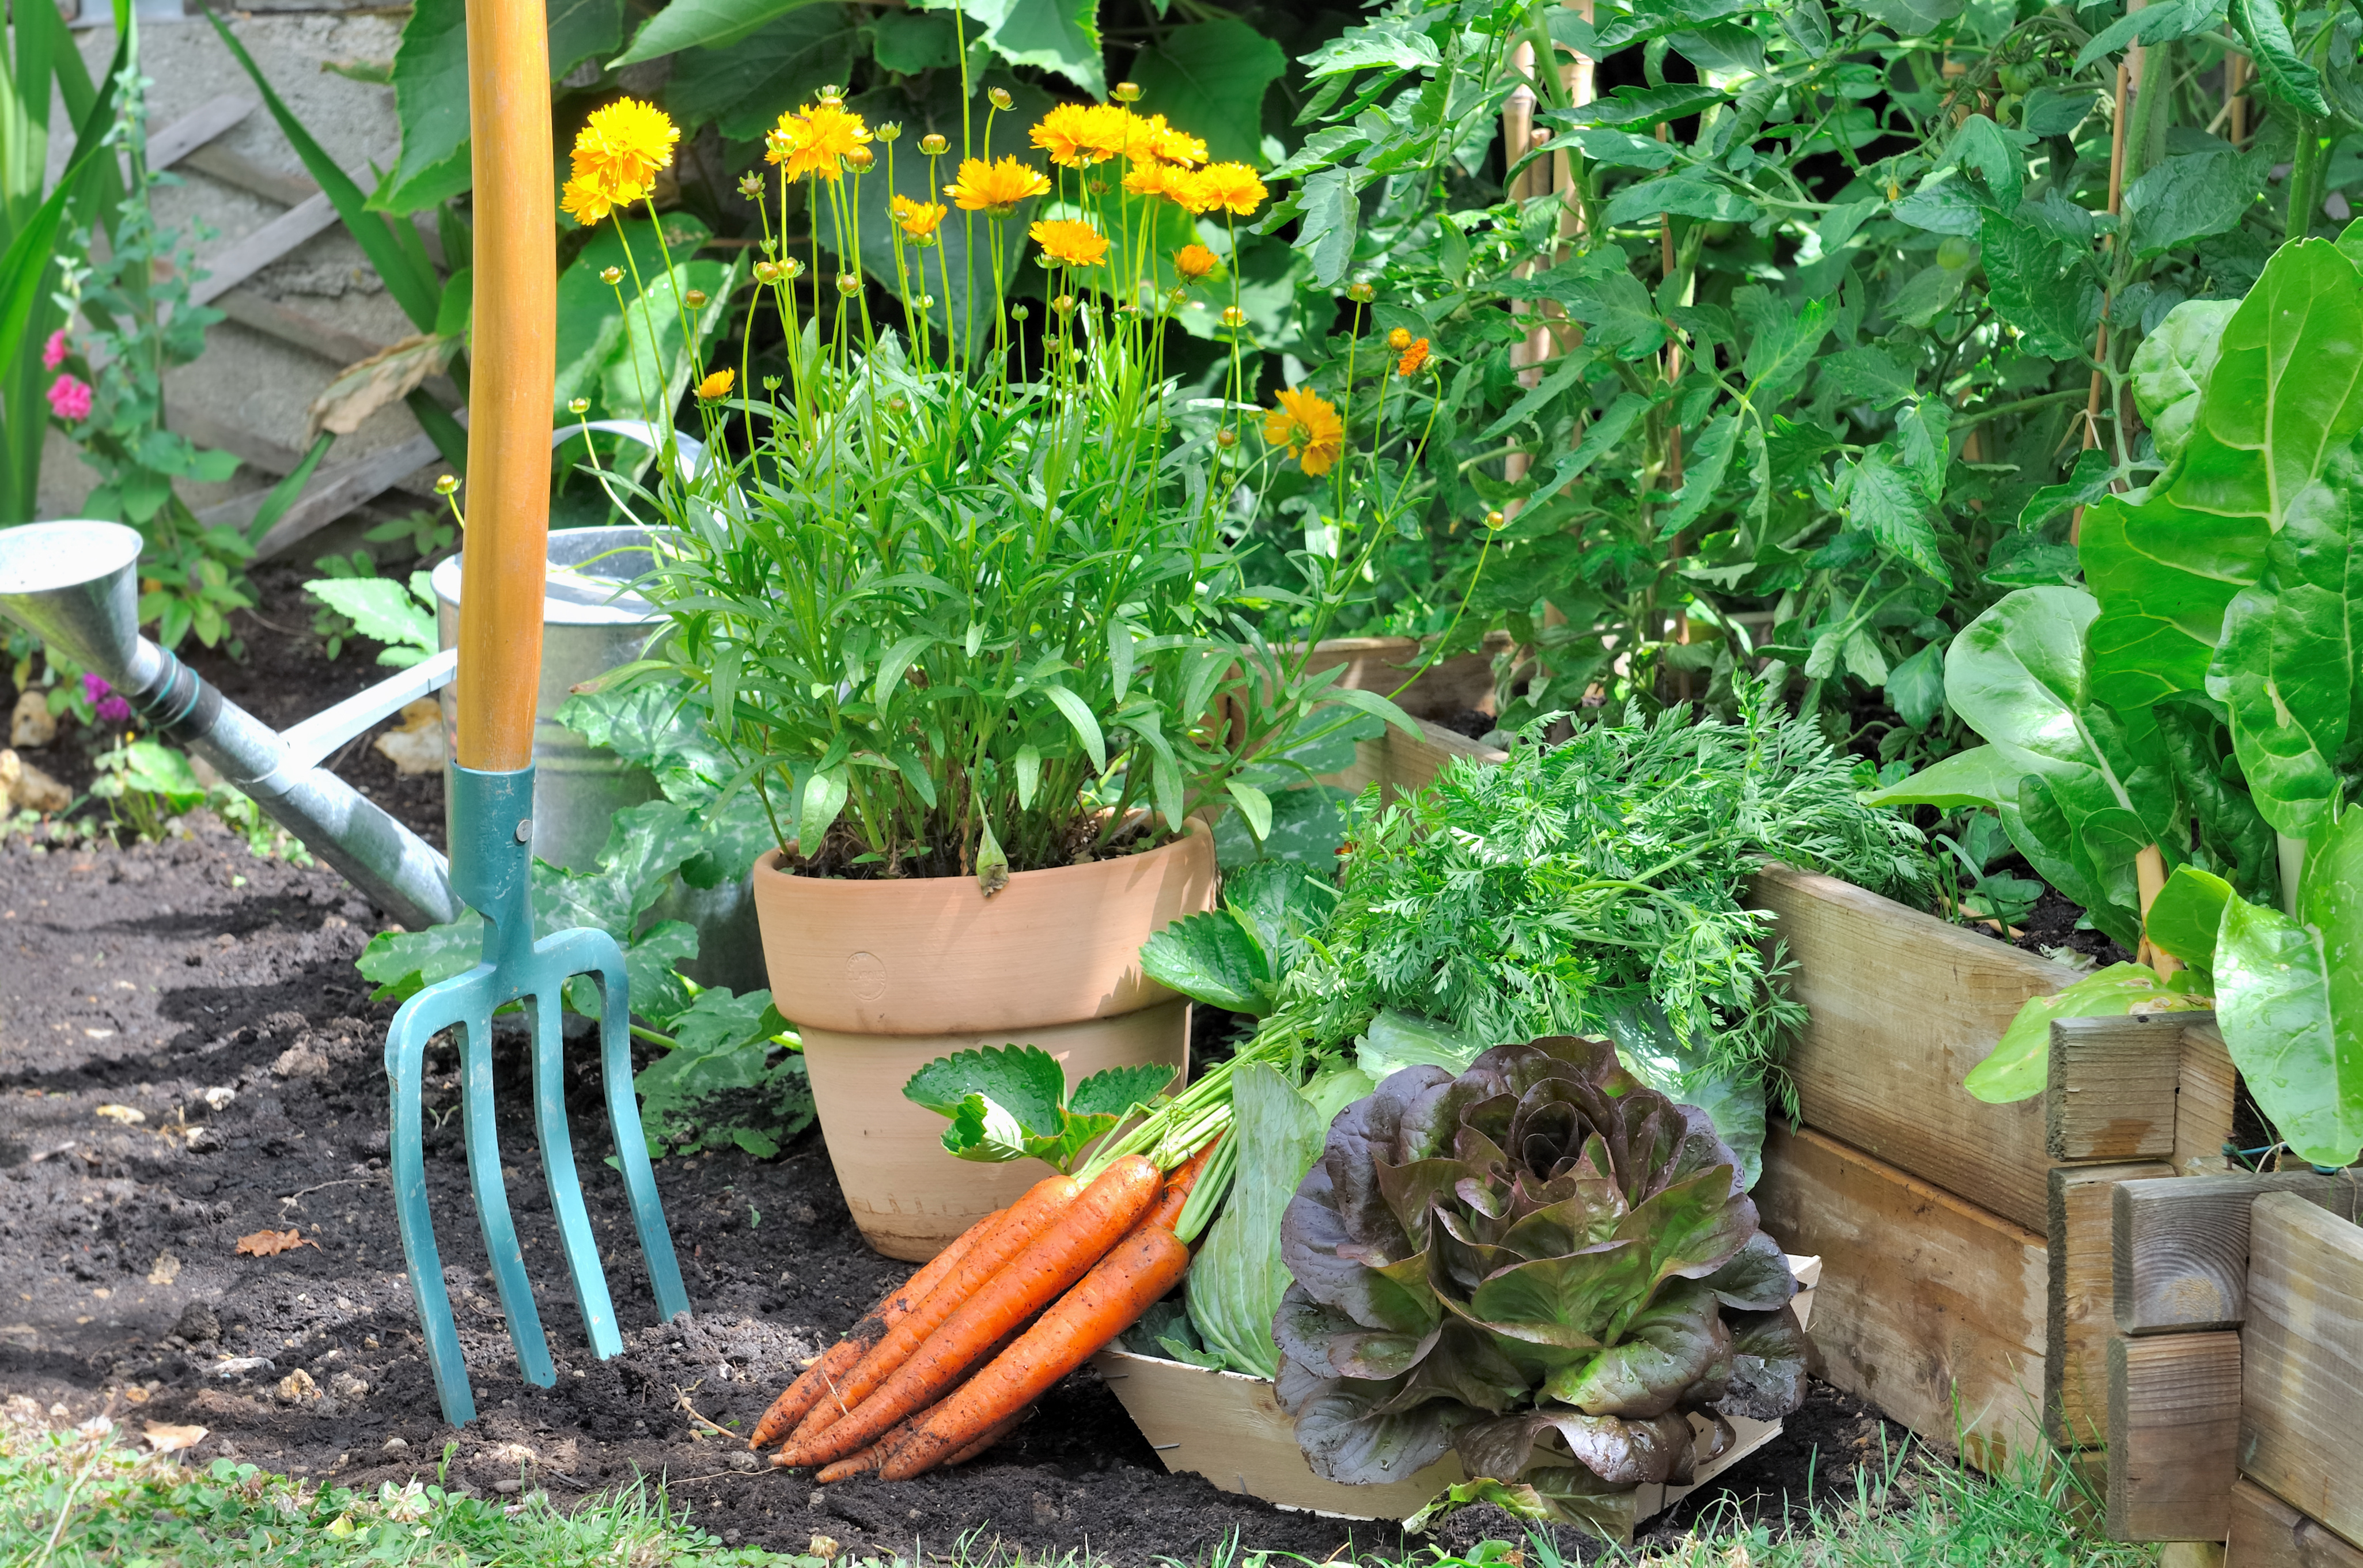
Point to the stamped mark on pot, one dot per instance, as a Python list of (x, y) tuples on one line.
[(865, 976)]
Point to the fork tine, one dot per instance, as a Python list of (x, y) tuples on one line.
[(418, 1021), (492, 1198), (574, 1235)]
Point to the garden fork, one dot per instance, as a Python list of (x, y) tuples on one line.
[(491, 780)]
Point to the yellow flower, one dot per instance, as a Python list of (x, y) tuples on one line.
[(1308, 426), (1230, 186), (918, 220), (588, 202), (622, 145), (1195, 262), (1108, 130), (1149, 178), (1414, 355), (996, 188), (1072, 243), (717, 384), (816, 140), (1175, 146), (1399, 339), (1062, 133)]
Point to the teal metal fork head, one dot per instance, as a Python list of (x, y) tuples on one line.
[(492, 862)]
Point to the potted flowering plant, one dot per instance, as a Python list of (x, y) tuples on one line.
[(962, 597)]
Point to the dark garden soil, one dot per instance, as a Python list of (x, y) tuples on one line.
[(154, 978)]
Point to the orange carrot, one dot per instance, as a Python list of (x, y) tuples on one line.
[(1168, 1212), (870, 1458), (1060, 1256), (1142, 1268), (830, 1367), (982, 1443), (1025, 1219)]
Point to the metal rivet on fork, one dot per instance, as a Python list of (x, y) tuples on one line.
[(524, 831)]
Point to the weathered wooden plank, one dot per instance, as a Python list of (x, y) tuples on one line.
[(1903, 1005), (1403, 764), (232, 167), (2203, 1107), (194, 129), (2178, 1249), (2303, 1377), (334, 344), (2080, 1282), (1929, 1307), (275, 239), (2111, 1094), (2174, 1434), (2268, 1534)]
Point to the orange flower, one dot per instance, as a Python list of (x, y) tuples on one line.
[(996, 188), (717, 384), (815, 139), (1230, 186), (1195, 262), (1065, 134), (1307, 424), (1414, 356), (1175, 146), (917, 220), (1070, 243)]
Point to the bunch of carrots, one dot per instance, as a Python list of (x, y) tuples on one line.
[(948, 1362)]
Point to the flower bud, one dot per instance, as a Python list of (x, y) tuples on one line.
[(1125, 92), (1494, 519), (898, 403), (934, 146), (694, 299), (927, 301), (770, 383), (1227, 438), (611, 276), (1178, 297), (578, 406), (889, 130), (1234, 318), (790, 268), (848, 285), (1016, 313), (1361, 294), (1399, 339), (999, 96), (750, 185), (1063, 304), (447, 486), (831, 94), (767, 271), (859, 160)]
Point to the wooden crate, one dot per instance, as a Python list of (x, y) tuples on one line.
[(1230, 1428), (1901, 1005)]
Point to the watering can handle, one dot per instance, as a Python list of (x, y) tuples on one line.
[(513, 364)]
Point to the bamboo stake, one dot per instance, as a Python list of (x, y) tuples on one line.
[(2108, 247)]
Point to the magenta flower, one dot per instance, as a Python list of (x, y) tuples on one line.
[(69, 398), (104, 699), (53, 353)]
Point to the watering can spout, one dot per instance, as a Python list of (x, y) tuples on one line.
[(75, 586)]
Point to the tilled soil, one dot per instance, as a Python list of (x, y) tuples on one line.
[(213, 995)]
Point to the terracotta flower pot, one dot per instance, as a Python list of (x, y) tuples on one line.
[(881, 977)]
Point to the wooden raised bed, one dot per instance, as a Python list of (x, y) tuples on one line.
[(2235, 1367), (1967, 1283)]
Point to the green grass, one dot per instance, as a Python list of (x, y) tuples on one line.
[(85, 1496)]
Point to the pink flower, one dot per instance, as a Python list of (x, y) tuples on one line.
[(53, 353), (69, 398), (103, 700)]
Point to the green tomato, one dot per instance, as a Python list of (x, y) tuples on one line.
[(1956, 253), (2019, 76), (2006, 111)]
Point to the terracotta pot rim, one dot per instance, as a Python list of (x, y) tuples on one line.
[(767, 864)]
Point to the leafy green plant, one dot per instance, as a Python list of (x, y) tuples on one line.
[(385, 609), (1239, 956), (1012, 1102), (1595, 885), (1970, 878), (1541, 1264), (147, 786), (2194, 703)]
